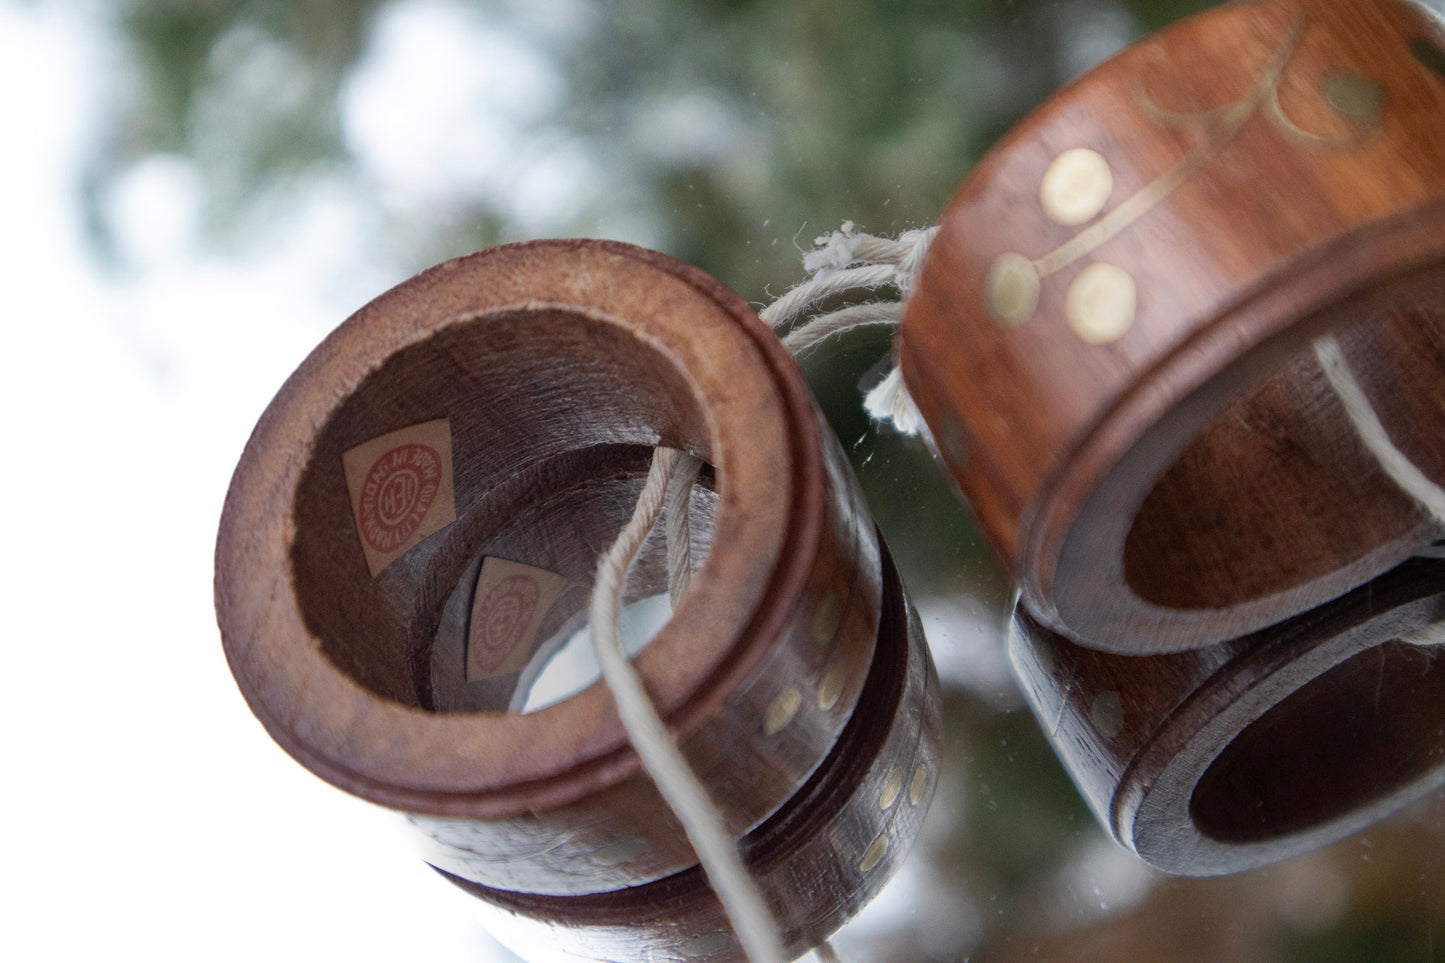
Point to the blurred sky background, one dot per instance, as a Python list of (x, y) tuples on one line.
[(193, 193)]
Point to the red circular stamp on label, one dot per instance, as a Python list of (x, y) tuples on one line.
[(398, 491), (499, 623)]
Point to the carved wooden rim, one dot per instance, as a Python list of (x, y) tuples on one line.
[(761, 435)]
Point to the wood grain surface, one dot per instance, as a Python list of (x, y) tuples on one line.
[(1111, 337), (547, 372), (818, 860), (1233, 756)]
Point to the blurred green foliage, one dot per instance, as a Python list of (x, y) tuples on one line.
[(850, 110)]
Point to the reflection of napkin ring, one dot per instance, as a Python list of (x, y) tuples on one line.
[(412, 532), (1111, 337), (817, 861), (1252, 751)]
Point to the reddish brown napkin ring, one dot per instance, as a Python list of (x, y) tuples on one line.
[(1242, 754), (502, 408), (1111, 337)]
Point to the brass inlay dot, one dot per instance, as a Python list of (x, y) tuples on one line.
[(1102, 303), (827, 619), (919, 783), (831, 686), (781, 712), (1107, 714), (1012, 289), (874, 854), (892, 786), (1076, 186), (1354, 96)]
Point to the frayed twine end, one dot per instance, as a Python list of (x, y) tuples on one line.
[(834, 251), (890, 403)]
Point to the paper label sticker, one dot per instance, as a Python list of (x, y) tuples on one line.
[(510, 603), (401, 489)]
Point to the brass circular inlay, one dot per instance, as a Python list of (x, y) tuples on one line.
[(1354, 96), (1107, 714), (1012, 288), (1102, 303), (1076, 186), (831, 685), (781, 712), (892, 786), (827, 619), (919, 783), (874, 854)]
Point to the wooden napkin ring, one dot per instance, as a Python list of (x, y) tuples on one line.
[(817, 861), (417, 518), (1111, 338), (1234, 756)]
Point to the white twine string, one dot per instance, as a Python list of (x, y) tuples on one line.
[(817, 331), (848, 261), (889, 403), (679, 526), (844, 261), (1372, 433), (679, 785)]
